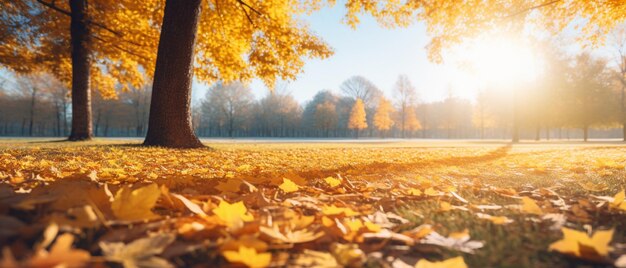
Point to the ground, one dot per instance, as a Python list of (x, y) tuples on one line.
[(307, 203)]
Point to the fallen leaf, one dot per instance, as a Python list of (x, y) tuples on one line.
[(248, 256), (61, 254), (233, 215), (332, 182), (134, 205), (530, 206), (456, 262), (288, 186), (139, 253), (580, 244)]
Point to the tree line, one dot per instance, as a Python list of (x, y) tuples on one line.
[(575, 95)]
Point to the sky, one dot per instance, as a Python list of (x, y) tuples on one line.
[(379, 54)]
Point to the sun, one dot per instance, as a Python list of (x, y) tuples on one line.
[(502, 62)]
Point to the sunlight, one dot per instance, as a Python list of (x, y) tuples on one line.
[(502, 61)]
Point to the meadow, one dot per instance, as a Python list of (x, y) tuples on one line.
[(313, 204)]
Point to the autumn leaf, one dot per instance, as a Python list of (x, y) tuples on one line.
[(494, 219), (618, 201), (135, 205), (248, 256), (61, 254), (456, 262), (139, 253), (233, 215), (288, 186), (334, 210), (332, 182), (580, 244), (530, 206)]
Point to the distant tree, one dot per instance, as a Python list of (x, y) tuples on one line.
[(228, 104), (412, 123), (481, 117), (326, 117), (358, 119), (591, 100), (405, 97), (382, 118), (277, 114), (618, 40), (358, 87)]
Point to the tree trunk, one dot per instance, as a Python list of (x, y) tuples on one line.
[(81, 95), (169, 124), (585, 133)]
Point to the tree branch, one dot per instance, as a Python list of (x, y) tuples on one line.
[(531, 8)]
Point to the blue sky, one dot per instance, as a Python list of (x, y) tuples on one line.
[(376, 53)]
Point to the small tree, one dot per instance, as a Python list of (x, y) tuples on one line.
[(412, 123), (382, 118), (326, 116), (358, 118)]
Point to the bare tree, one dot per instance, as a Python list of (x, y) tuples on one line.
[(405, 96), (228, 104)]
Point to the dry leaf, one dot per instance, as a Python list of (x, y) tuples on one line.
[(139, 253), (248, 256), (135, 205), (456, 262), (580, 244)]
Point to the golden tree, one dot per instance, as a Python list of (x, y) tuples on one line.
[(382, 117), (232, 40), (412, 123), (97, 45), (357, 119)]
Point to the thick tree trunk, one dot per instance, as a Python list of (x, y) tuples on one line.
[(169, 124), (81, 95)]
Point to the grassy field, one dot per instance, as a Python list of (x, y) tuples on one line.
[(371, 203)]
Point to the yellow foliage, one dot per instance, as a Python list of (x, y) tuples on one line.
[(357, 116), (382, 117)]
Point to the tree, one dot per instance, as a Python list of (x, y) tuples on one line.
[(357, 119), (412, 123), (405, 96), (104, 46), (235, 44), (358, 87), (228, 105), (326, 117), (590, 98), (382, 118), (618, 40)]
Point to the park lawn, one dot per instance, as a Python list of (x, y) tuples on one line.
[(312, 203)]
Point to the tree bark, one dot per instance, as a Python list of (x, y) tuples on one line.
[(169, 124), (81, 94), (33, 97)]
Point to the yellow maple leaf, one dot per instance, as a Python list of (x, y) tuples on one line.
[(581, 245), (248, 256), (334, 210), (233, 215), (530, 206), (456, 262), (288, 186), (133, 205)]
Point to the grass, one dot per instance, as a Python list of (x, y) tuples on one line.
[(574, 171)]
